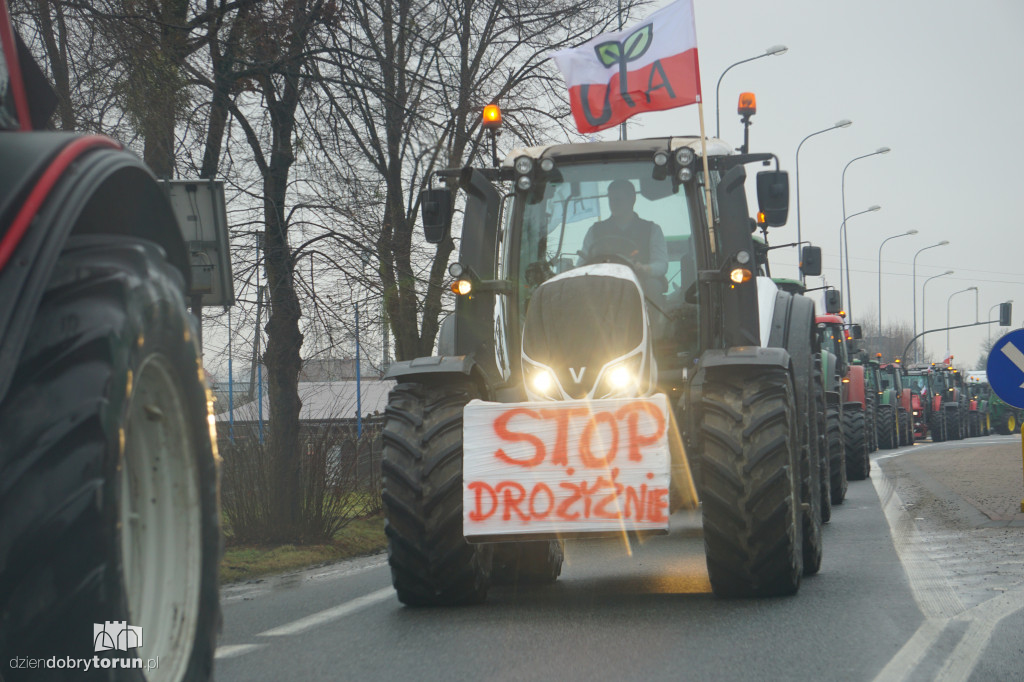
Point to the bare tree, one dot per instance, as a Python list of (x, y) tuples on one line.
[(405, 81)]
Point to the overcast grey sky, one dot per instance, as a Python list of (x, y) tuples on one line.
[(938, 82)]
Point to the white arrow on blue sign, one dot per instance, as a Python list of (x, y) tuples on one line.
[(1006, 368)]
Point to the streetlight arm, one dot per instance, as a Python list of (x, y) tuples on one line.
[(845, 247), (718, 130), (895, 236), (840, 124), (773, 50)]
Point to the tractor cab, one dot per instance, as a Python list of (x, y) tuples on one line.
[(599, 259)]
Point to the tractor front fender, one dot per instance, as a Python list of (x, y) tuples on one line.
[(442, 369), (54, 185), (744, 356), (854, 385)]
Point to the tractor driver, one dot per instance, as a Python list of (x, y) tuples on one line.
[(642, 240)]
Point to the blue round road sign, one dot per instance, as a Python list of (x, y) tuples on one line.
[(1006, 368)]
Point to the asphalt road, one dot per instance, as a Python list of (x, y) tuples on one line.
[(913, 586)]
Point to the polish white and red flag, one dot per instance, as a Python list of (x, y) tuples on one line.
[(648, 67)]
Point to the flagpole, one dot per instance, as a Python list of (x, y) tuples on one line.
[(622, 126), (707, 175)]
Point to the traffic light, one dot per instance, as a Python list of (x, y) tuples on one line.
[(1005, 314)]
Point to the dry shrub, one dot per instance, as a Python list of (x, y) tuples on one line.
[(339, 478)]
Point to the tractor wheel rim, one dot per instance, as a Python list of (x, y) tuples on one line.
[(1011, 423), (160, 526)]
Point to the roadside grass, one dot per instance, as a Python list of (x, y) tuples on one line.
[(359, 537)]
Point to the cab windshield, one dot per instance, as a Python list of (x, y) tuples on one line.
[(569, 220), (831, 338), (616, 212), (916, 382)]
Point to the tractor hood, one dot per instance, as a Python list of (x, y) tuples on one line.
[(587, 335)]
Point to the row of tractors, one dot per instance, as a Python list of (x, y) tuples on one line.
[(885, 405)]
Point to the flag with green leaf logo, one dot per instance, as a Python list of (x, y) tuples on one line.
[(647, 67)]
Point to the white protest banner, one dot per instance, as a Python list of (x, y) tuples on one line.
[(599, 466)]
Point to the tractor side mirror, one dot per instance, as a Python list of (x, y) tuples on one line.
[(833, 301), (810, 261), (773, 197), (436, 213), (1005, 314), (855, 332)]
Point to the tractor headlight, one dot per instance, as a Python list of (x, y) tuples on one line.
[(524, 183), (524, 164), (684, 156), (542, 381), (621, 378)]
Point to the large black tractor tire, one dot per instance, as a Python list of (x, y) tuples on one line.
[(954, 424), (810, 484), (858, 464), (431, 562), (973, 424), (836, 455), (888, 434), (1006, 424), (937, 426), (870, 432), (108, 491), (906, 429), (824, 470), (527, 563), (751, 492)]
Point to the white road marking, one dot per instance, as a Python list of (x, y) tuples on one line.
[(912, 653), (931, 588), (327, 615), (232, 650), (936, 598), (983, 620)]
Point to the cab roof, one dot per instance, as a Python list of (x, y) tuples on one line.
[(582, 150)]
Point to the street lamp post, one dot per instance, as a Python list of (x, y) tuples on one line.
[(844, 123), (773, 50), (895, 236), (914, 284), (975, 290), (845, 247), (842, 238), (924, 310)]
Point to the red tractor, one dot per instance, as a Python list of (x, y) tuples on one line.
[(926, 406), (108, 491), (849, 398)]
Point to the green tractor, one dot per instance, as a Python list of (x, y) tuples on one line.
[(1006, 419), (894, 412), (583, 332)]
